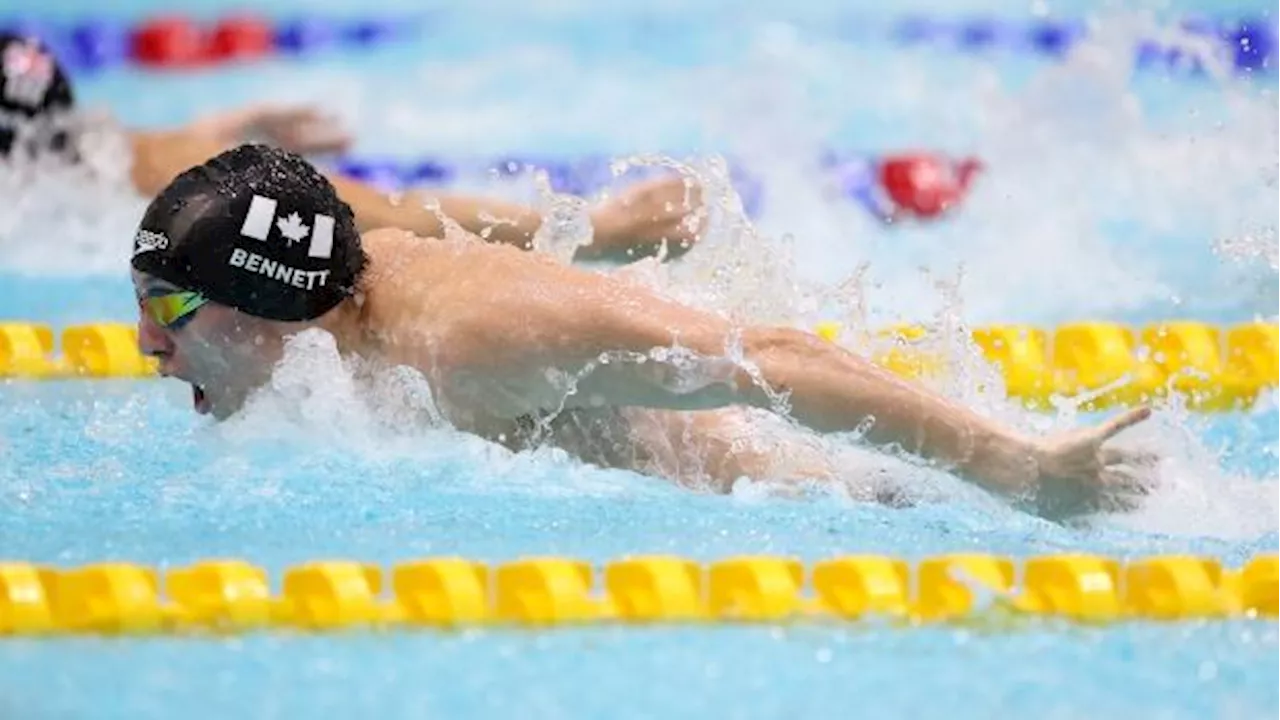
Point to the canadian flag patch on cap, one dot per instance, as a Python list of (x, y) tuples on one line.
[(262, 211)]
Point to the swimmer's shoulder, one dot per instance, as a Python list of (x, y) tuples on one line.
[(427, 266), (391, 246), (438, 279), (372, 240)]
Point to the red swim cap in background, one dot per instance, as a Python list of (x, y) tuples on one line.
[(926, 185)]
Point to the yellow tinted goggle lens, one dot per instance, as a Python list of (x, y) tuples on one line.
[(170, 309)]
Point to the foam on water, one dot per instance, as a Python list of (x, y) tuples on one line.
[(1075, 161), (320, 404), (65, 220)]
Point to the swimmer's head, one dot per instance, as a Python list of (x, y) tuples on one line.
[(234, 256), (35, 97)]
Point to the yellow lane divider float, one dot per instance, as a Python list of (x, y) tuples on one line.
[(100, 350), (1101, 364), (1104, 364), (233, 596)]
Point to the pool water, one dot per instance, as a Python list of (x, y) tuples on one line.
[(1131, 196)]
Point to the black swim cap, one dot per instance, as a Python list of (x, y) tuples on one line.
[(33, 87), (255, 228)]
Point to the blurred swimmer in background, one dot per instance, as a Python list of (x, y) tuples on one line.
[(39, 118)]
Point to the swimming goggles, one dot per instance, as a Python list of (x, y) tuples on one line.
[(172, 310)]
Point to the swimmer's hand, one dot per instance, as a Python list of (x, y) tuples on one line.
[(302, 130), (638, 220), (1079, 474)]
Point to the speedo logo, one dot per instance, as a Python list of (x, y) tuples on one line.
[(147, 241)]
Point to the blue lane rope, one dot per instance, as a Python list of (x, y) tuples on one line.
[(95, 44), (1249, 43)]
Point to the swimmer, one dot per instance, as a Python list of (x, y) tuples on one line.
[(254, 246), (37, 117)]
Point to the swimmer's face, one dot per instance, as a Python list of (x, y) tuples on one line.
[(223, 353)]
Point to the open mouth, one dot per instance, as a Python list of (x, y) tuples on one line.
[(199, 399)]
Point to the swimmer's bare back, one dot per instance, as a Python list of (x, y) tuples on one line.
[(432, 308), (497, 332)]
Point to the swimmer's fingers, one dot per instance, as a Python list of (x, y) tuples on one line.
[(1126, 481), (1132, 458), (1114, 492), (1117, 503), (1123, 421), (1114, 489)]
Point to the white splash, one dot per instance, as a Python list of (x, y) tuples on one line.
[(71, 220)]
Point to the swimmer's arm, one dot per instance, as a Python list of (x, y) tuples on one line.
[(566, 318), (161, 155), (296, 128), (423, 215), (640, 222)]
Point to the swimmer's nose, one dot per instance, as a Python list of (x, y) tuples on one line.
[(152, 339)]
